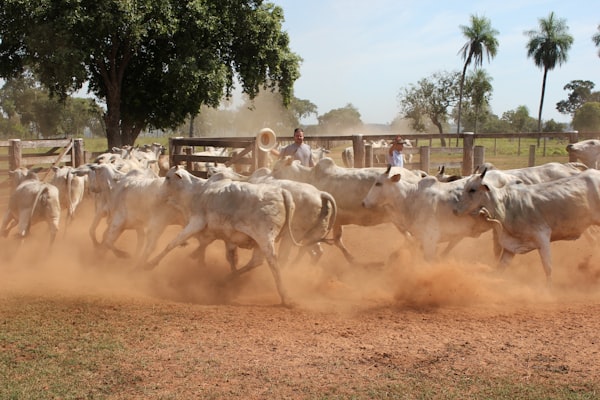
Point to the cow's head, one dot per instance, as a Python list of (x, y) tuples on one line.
[(474, 196)]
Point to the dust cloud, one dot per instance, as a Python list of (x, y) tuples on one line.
[(389, 273)]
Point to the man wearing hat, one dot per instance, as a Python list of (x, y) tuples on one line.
[(395, 156)]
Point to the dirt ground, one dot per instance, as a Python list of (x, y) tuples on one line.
[(352, 328)]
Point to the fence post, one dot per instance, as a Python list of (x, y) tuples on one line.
[(173, 149), (14, 154), (424, 155), (188, 163), (532, 155), (478, 157), (77, 158), (368, 155), (573, 138), (467, 163), (358, 146)]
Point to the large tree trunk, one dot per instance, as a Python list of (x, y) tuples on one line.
[(460, 96), (112, 119), (441, 131), (539, 127)]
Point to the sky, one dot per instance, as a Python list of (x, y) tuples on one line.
[(366, 52)]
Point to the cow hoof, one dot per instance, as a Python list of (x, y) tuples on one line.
[(122, 254)]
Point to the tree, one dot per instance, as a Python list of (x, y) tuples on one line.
[(519, 120), (581, 91), (587, 118), (431, 98), (553, 126), (340, 120), (481, 38), (152, 62), (24, 101), (479, 88), (548, 47), (596, 40)]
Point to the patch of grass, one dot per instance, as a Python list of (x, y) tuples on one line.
[(52, 350)]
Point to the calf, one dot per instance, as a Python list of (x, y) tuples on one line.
[(424, 209), (587, 151), (528, 217), (242, 214), (32, 202)]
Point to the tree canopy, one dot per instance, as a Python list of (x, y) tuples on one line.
[(153, 63), (587, 118), (481, 40), (580, 93), (340, 120), (430, 98), (549, 47), (28, 109)]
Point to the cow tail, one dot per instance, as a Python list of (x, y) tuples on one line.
[(39, 197), (69, 193), (328, 209), (290, 206)]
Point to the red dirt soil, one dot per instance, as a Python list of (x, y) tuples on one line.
[(350, 327)]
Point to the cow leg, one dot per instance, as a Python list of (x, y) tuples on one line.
[(546, 256), (141, 239), (255, 261), (429, 246), (111, 235), (92, 231), (53, 224), (231, 253), (24, 223), (337, 238), (195, 225), (505, 259), (451, 244), (284, 250), (315, 251), (8, 222), (268, 250)]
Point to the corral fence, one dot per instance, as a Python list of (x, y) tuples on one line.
[(45, 153), (367, 154)]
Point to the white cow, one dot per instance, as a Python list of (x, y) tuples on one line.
[(241, 213), (103, 180), (587, 151), (21, 174), (530, 175), (31, 202), (138, 203), (71, 189), (314, 215), (529, 217), (348, 186), (425, 209)]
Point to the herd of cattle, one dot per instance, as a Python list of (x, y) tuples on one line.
[(274, 210)]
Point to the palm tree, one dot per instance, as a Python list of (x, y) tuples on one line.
[(548, 47), (596, 40), (481, 38)]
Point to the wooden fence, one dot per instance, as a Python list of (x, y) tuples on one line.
[(15, 153), (181, 149)]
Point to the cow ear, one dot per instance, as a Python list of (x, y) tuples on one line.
[(395, 178), (485, 188)]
